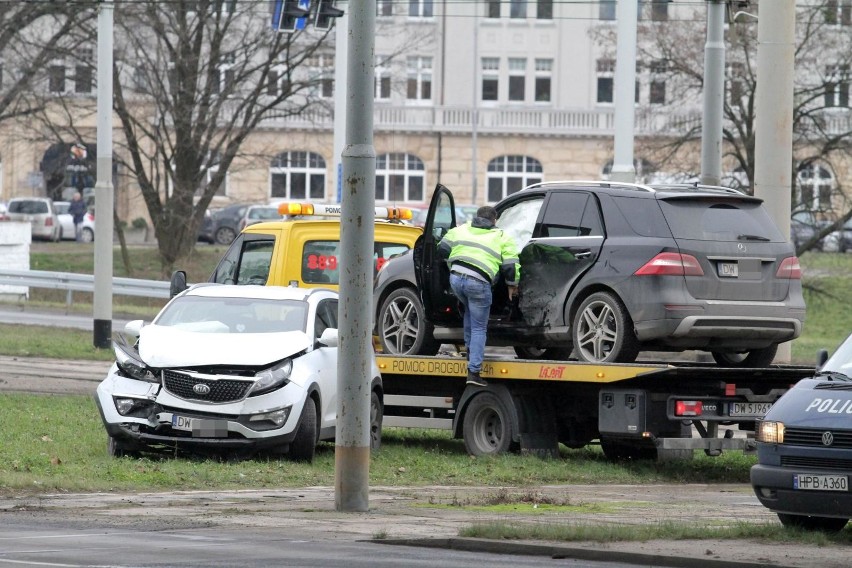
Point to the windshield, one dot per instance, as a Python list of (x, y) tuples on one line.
[(841, 361), (229, 315)]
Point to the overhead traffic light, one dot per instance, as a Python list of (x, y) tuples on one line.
[(290, 15), (326, 12)]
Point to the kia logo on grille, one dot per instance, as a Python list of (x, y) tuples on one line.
[(201, 388), (827, 438)]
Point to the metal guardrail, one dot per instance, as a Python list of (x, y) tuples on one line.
[(82, 283)]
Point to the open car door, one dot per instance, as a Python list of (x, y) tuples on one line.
[(430, 268)]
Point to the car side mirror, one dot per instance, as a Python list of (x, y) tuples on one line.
[(329, 337), (822, 357), (177, 283)]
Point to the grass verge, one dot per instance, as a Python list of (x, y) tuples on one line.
[(57, 443)]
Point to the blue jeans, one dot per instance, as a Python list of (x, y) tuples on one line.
[(475, 295)]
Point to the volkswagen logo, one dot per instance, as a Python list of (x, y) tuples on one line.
[(827, 438), (201, 388)]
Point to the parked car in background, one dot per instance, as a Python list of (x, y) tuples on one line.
[(839, 240), (609, 270), (228, 221), (66, 223), (39, 212), (205, 233), (236, 369), (804, 452), (803, 227), (3, 210)]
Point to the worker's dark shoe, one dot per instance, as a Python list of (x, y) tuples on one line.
[(474, 379)]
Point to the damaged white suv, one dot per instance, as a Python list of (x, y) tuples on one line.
[(230, 370)]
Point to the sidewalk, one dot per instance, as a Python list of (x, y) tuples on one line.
[(433, 516)]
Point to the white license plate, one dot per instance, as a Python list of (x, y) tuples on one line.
[(808, 482), (728, 269), (749, 409), (182, 423)]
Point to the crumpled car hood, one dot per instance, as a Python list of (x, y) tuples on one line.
[(161, 346)]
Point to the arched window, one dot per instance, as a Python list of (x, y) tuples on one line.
[(509, 174), (400, 177), (297, 175), (814, 185)]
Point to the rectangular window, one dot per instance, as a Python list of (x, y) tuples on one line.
[(657, 94), (382, 80), (736, 72), (605, 71), (517, 78), (837, 86), (56, 78), (838, 12), (419, 85), (544, 10), (660, 10), (420, 8), (490, 78), (493, 9), (83, 79), (543, 70), (606, 10), (384, 8), (517, 8)]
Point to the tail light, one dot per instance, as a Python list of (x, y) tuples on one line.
[(688, 408), (790, 268), (671, 264), (90, 216), (48, 222)]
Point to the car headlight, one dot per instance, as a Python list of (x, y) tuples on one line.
[(769, 432), (131, 365), (272, 378)]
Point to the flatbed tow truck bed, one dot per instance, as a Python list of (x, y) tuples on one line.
[(637, 410)]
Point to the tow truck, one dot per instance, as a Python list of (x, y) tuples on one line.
[(651, 410)]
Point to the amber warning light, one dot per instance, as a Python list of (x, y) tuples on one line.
[(336, 210)]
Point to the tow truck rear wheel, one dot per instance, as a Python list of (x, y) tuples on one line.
[(752, 359), (825, 524), (488, 426)]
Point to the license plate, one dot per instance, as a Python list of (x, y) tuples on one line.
[(201, 427), (728, 269), (808, 482), (749, 409), (182, 423)]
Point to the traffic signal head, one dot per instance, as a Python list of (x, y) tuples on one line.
[(290, 15), (326, 12)]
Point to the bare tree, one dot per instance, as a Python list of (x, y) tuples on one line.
[(822, 56)]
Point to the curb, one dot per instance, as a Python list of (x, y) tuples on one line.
[(558, 552)]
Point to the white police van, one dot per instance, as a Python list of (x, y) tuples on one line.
[(804, 449)]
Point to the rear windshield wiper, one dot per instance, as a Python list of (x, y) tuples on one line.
[(752, 238)]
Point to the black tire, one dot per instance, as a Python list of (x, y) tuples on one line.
[(117, 449), (225, 235), (603, 331), (824, 524), (488, 426), (87, 235), (376, 414), (541, 353), (747, 360), (304, 445), (402, 325)]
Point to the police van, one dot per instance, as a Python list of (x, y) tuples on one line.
[(804, 449)]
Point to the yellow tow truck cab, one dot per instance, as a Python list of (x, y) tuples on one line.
[(303, 248)]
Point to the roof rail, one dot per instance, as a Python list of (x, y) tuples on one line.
[(701, 186), (597, 183)]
